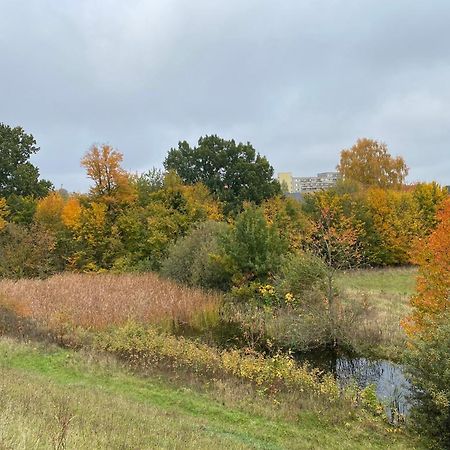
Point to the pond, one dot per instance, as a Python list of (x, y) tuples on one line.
[(391, 385)]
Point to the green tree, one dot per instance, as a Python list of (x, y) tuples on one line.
[(146, 183), (22, 209), (17, 175), (234, 173), (252, 249)]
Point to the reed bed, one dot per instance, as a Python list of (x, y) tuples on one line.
[(98, 301)]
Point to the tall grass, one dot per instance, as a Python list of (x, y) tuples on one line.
[(95, 302)]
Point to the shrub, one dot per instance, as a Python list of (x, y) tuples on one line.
[(428, 364), (190, 259), (300, 274), (27, 252)]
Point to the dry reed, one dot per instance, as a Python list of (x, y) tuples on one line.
[(97, 301)]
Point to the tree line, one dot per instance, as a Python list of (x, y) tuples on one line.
[(130, 221)]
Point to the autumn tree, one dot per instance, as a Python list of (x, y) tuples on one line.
[(287, 215), (392, 226), (71, 214), (337, 239), (147, 229), (336, 235), (433, 280), (17, 175), (111, 181), (49, 210), (3, 213), (370, 163), (428, 327), (233, 173), (95, 243), (429, 198)]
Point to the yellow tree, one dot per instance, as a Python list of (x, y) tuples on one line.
[(49, 210), (92, 234), (111, 182), (3, 213), (429, 198), (369, 163), (287, 215), (394, 223), (200, 203), (71, 213)]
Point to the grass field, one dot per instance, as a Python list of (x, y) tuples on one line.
[(384, 294), (399, 281), (54, 398)]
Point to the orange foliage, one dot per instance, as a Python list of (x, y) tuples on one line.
[(286, 214), (433, 280), (335, 236)]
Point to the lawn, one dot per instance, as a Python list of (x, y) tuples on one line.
[(55, 398)]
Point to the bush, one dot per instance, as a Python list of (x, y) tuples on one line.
[(27, 252), (428, 364), (190, 259), (301, 274)]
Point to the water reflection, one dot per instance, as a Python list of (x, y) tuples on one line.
[(391, 386)]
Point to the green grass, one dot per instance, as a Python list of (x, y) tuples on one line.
[(384, 295), (76, 400), (389, 281)]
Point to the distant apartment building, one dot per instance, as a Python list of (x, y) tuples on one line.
[(324, 180)]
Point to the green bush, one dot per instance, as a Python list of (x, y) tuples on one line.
[(300, 274), (252, 249), (428, 364), (190, 260), (27, 252)]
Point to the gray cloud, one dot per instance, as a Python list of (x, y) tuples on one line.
[(299, 79)]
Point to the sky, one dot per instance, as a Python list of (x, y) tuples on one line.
[(299, 79)]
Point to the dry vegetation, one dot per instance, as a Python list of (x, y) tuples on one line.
[(99, 301)]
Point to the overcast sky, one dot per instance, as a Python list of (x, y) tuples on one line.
[(299, 79)]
